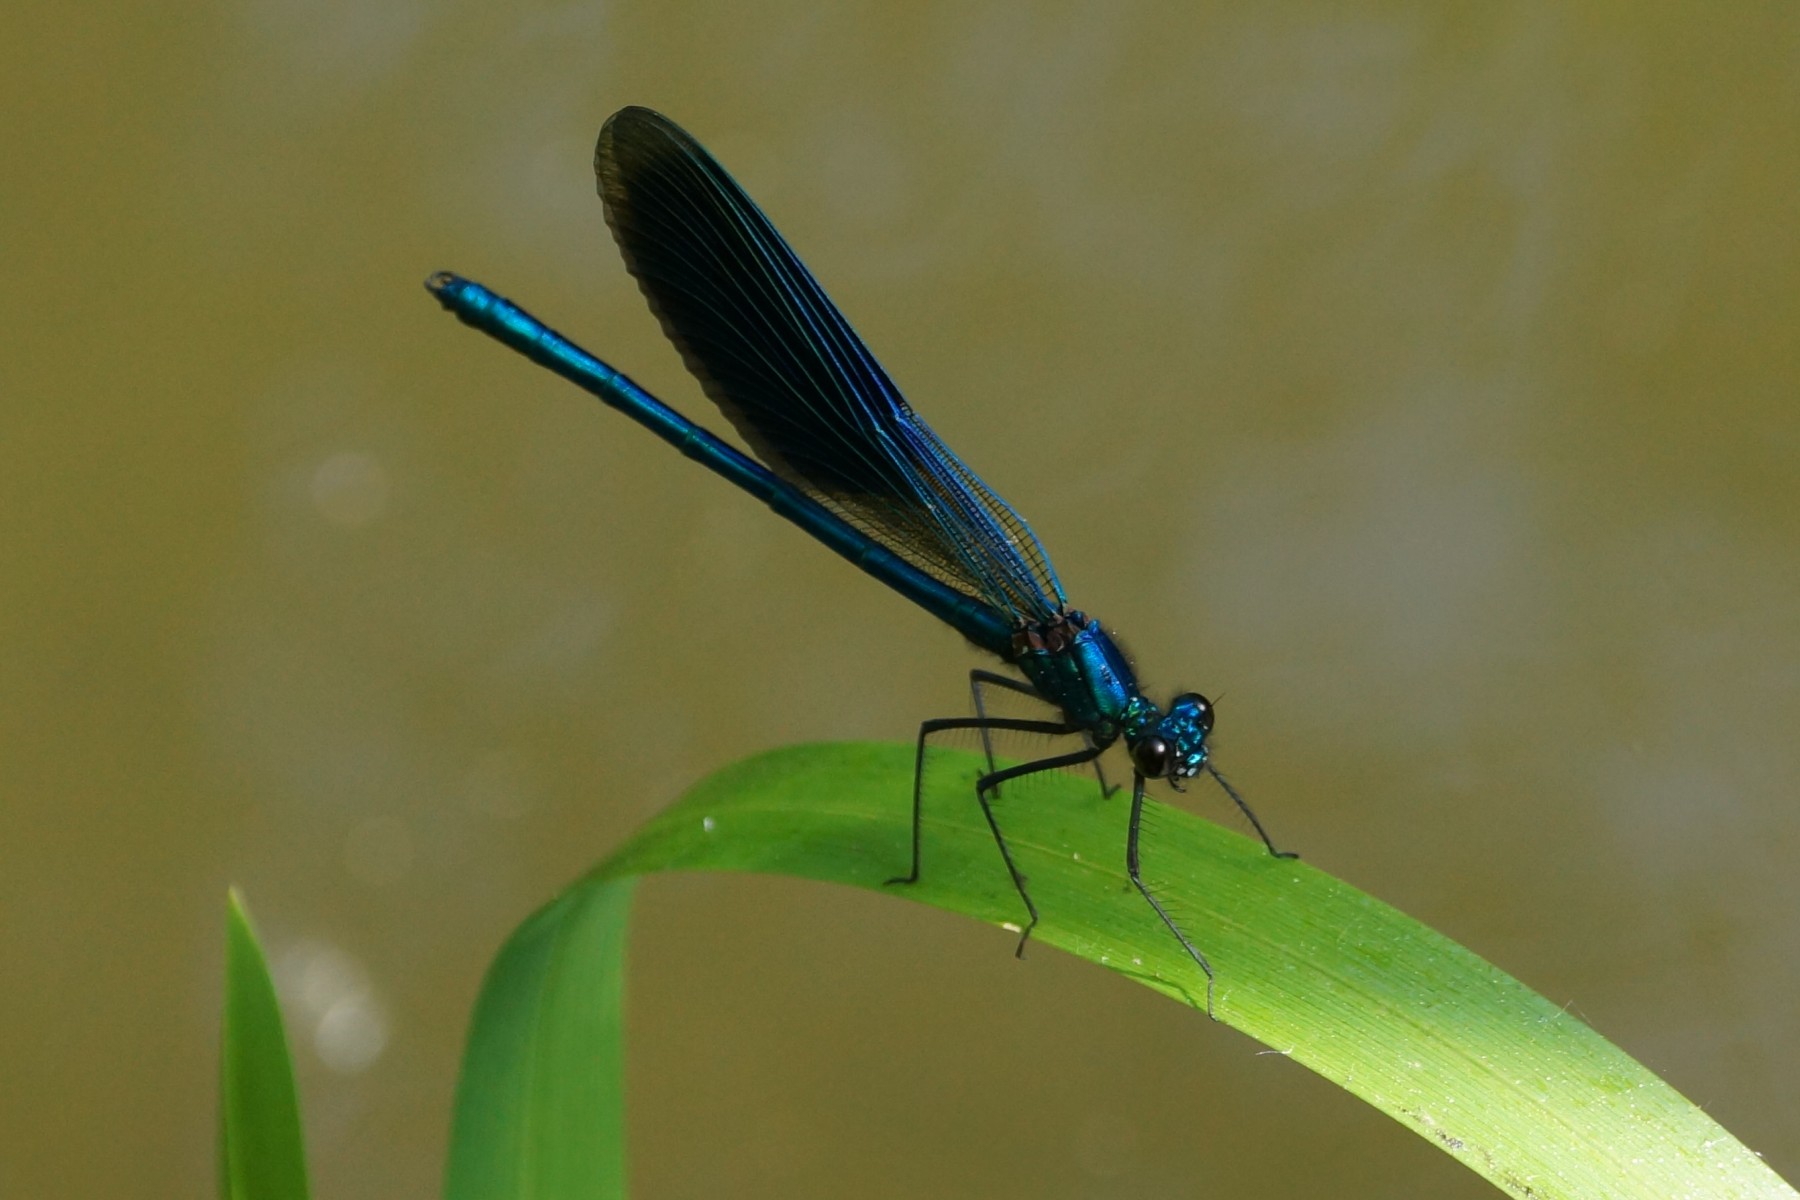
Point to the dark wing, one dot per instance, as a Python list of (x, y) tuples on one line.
[(788, 371)]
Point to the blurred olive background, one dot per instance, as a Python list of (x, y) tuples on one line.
[(1421, 379)]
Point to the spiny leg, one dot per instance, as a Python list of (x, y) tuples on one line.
[(1137, 879), (991, 784), (942, 725), (987, 788), (1245, 809), (1107, 790), (978, 677)]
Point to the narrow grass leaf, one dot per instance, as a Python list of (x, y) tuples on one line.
[(539, 1106), (1491, 1073), (262, 1154)]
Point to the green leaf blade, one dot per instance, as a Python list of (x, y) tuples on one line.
[(262, 1151), (1424, 1030), (539, 1104)]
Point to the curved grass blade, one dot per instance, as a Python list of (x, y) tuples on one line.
[(539, 1110), (1469, 1058), (262, 1154)]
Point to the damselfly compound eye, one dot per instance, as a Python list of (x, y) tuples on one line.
[(1151, 757)]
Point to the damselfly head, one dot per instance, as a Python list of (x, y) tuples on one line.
[(1174, 746)]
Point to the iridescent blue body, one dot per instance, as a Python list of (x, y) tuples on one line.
[(845, 458), (506, 322), (1069, 659)]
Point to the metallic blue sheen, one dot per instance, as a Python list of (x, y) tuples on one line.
[(506, 322), (845, 457), (1088, 678)]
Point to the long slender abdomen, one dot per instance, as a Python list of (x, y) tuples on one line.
[(512, 326)]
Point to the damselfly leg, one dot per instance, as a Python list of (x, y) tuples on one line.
[(1244, 808), (979, 678), (987, 790), (1137, 881)]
